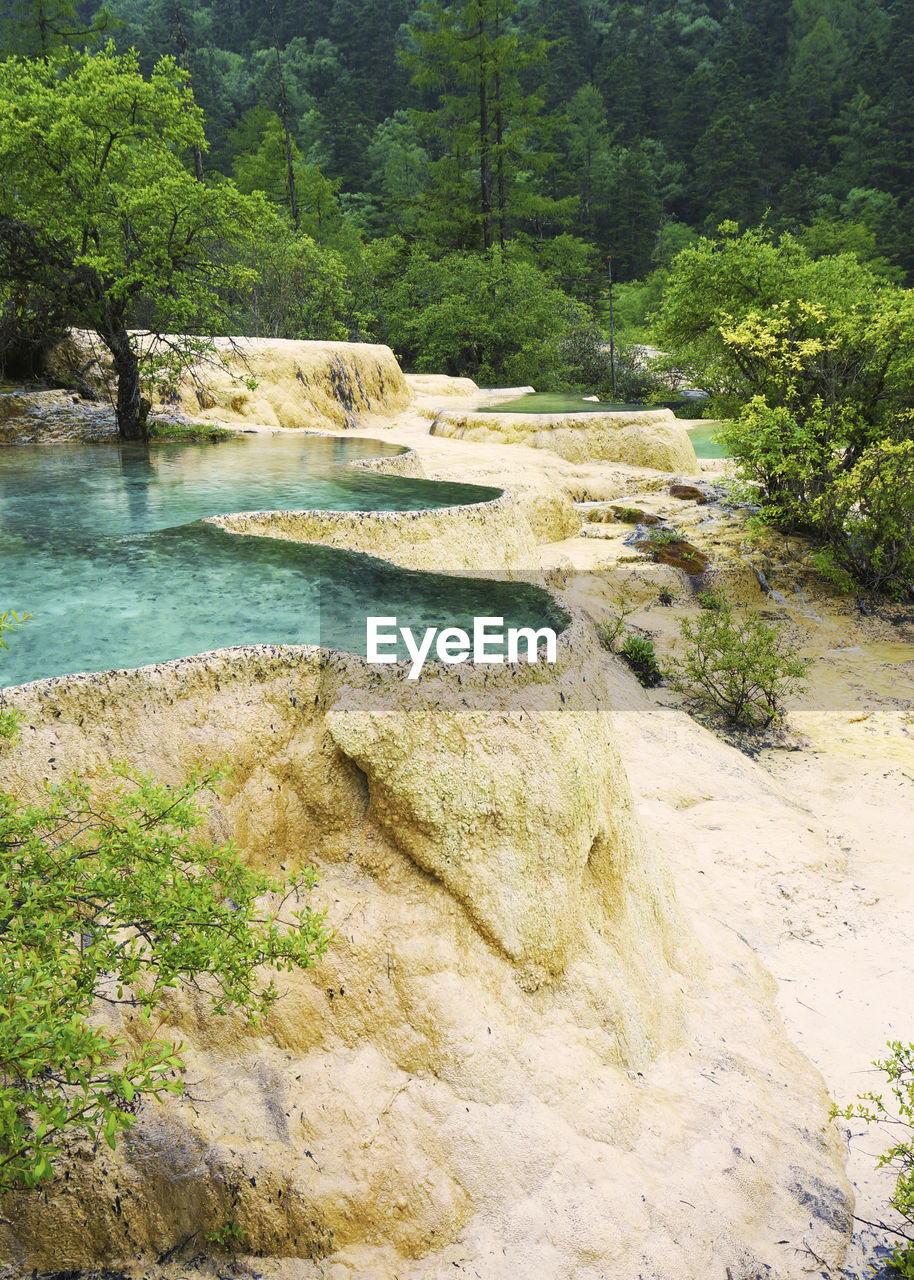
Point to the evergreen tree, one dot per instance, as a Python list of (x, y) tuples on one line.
[(467, 58), (35, 28)]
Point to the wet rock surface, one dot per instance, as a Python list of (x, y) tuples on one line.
[(53, 416)]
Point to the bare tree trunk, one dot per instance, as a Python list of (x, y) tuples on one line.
[(485, 176), (499, 135), (182, 45), (43, 31), (284, 115)]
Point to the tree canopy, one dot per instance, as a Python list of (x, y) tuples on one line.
[(813, 361), (693, 110), (100, 210)]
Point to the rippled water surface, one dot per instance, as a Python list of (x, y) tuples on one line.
[(104, 546)]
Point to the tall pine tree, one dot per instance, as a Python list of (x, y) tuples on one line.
[(487, 132)]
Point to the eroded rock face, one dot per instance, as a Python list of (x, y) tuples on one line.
[(654, 438), (29, 417), (272, 382), (513, 1057)]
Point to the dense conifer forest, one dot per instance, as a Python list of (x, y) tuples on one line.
[(623, 124), (410, 152)]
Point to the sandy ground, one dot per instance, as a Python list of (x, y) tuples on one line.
[(833, 923)]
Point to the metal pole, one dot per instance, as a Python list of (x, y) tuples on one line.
[(612, 326)]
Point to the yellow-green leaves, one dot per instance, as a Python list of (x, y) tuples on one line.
[(812, 360)]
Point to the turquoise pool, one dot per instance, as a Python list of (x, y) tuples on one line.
[(704, 443), (104, 545)]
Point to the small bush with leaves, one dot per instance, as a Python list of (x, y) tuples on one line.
[(638, 652), (9, 718), (867, 517), (663, 537), (120, 900), (739, 666), (227, 1236), (899, 1068), (665, 596), (609, 629)]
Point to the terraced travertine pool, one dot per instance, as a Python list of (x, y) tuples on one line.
[(105, 546), (703, 436)]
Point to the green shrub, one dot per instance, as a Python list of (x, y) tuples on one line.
[(9, 718), (739, 666), (814, 357), (661, 537), (665, 596), (188, 431), (784, 460), (867, 517), (122, 899), (639, 654), (609, 629), (226, 1237), (899, 1068)]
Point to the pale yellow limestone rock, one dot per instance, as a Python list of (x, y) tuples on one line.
[(272, 382), (652, 438)]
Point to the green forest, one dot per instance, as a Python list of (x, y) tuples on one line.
[(626, 125), (452, 178)]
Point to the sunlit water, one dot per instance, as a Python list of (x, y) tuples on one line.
[(104, 547)]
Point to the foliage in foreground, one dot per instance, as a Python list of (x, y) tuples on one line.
[(611, 628), (899, 1069), (639, 653), (9, 718), (119, 901), (867, 514), (738, 666)]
